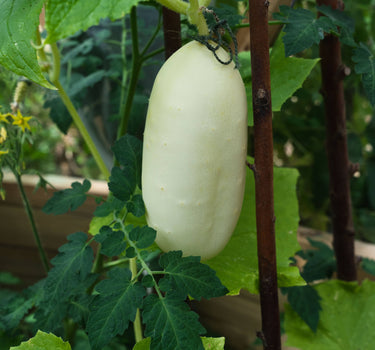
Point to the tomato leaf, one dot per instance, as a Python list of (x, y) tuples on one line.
[(142, 236), (187, 276), (65, 18), (171, 324), (128, 152), (112, 241), (365, 64), (305, 300), (69, 199), (43, 340), (110, 205), (114, 307), (208, 344), (18, 26), (122, 183), (136, 206), (344, 307)]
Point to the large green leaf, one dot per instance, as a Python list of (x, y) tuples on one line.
[(346, 320), (43, 341), (287, 76), (64, 18), (237, 264), (18, 27)]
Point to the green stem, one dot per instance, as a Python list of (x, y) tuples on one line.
[(124, 70), (196, 17), (30, 216), (136, 69), (178, 6), (138, 334), (73, 112)]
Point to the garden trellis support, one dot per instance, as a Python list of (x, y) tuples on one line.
[(333, 73), (263, 172)]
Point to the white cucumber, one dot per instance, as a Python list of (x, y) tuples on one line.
[(194, 152)]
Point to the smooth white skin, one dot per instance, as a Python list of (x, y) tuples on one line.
[(194, 153)]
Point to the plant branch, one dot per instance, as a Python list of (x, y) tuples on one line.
[(337, 151), (263, 155), (196, 17), (30, 216)]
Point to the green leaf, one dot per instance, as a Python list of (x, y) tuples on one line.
[(43, 341), (365, 64), (122, 183), (112, 204), (65, 18), (18, 27), (113, 243), (348, 313), (170, 324), (114, 307), (305, 300), (342, 20), (208, 344), (321, 262), (136, 206), (71, 267), (85, 82), (128, 152), (287, 76), (242, 247), (142, 236), (368, 265), (8, 278), (69, 199), (303, 28), (187, 276)]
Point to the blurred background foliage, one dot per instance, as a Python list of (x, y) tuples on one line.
[(96, 63)]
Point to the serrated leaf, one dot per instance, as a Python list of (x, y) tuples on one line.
[(170, 324), (18, 26), (342, 20), (114, 307), (142, 236), (348, 313), (136, 206), (365, 64), (302, 28), (68, 199), (71, 267), (321, 263), (17, 309), (113, 243), (65, 18), (128, 152), (305, 300), (187, 276), (122, 183), (242, 247), (112, 204), (43, 341)]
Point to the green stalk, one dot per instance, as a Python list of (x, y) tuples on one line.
[(73, 112), (178, 6), (124, 70), (138, 334), (196, 17), (136, 69), (30, 216)]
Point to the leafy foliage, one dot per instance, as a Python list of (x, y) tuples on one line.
[(69, 199), (112, 242), (17, 37), (341, 324), (114, 307), (171, 324), (43, 340)]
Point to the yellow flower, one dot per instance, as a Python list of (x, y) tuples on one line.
[(21, 121), (3, 134), (4, 152), (3, 117)]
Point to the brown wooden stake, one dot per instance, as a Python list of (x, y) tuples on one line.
[(172, 31), (337, 151), (263, 170)]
